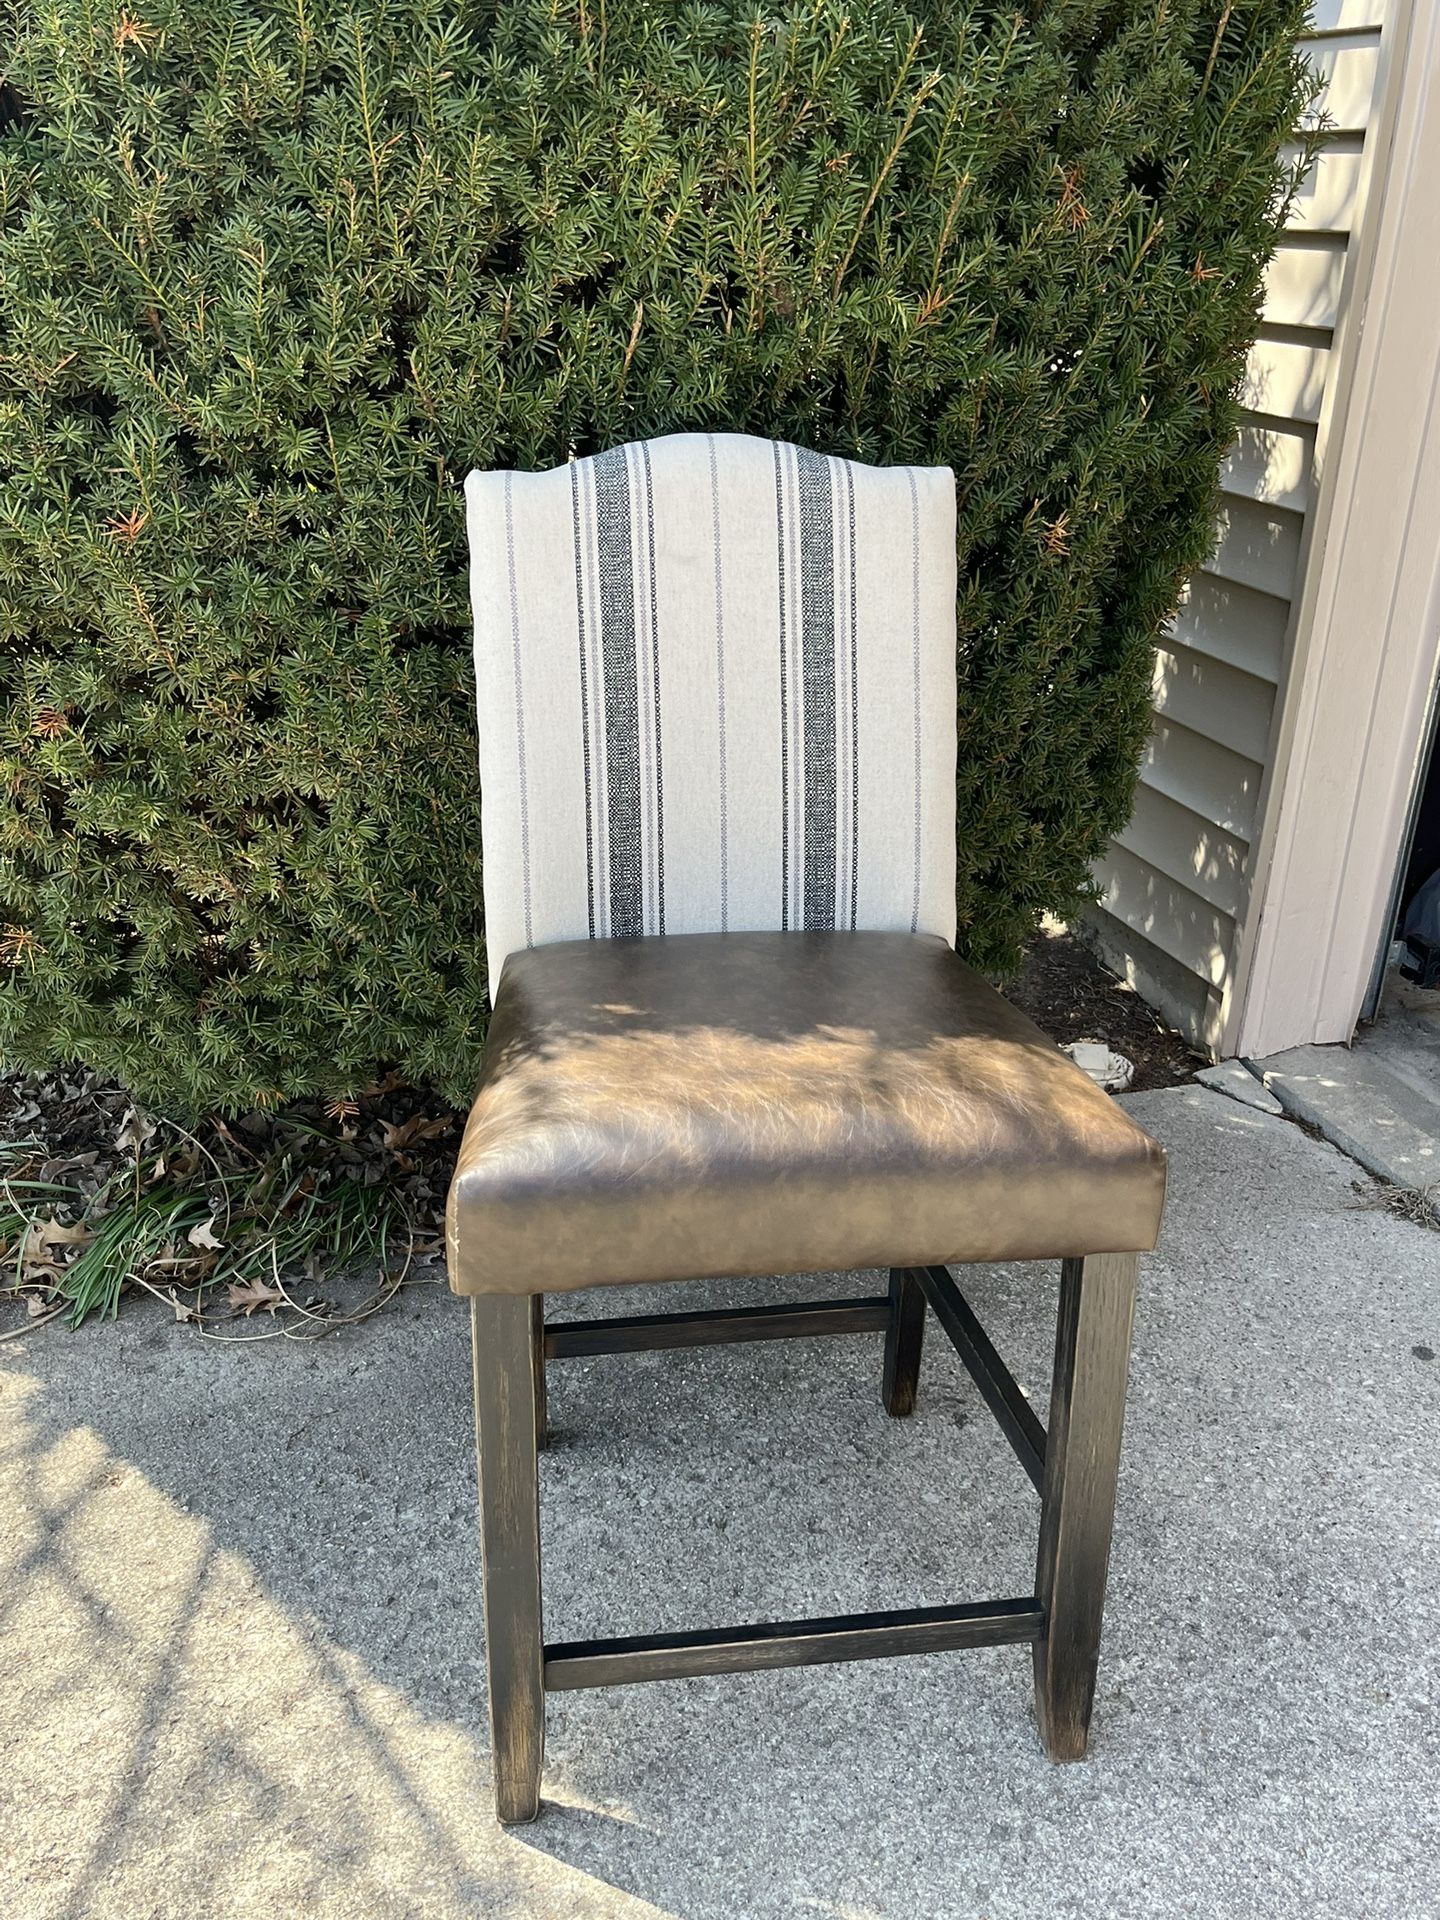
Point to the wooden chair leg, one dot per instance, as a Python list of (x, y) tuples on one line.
[(537, 1359), (904, 1337), (1082, 1459), (506, 1424)]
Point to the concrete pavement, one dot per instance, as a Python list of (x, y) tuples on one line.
[(242, 1647)]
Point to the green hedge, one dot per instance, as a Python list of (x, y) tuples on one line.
[(273, 277)]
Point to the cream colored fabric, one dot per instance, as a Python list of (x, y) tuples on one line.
[(715, 681)]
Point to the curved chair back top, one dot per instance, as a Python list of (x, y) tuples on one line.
[(715, 680)]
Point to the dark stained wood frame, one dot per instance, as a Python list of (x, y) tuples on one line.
[(1074, 1468)]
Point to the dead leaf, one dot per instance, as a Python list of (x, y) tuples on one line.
[(136, 1130), (203, 1235), (59, 1165), (42, 1251), (393, 1082), (417, 1127), (253, 1294), (55, 1233)]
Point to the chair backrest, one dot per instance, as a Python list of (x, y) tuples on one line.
[(716, 689)]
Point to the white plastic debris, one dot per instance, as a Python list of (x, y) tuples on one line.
[(1106, 1068)]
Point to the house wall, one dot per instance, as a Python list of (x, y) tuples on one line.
[(1177, 883), (1359, 697)]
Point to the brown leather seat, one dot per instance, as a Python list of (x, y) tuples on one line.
[(755, 1103)]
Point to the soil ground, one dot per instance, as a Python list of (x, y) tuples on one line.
[(1071, 996)]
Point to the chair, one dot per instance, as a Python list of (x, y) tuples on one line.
[(730, 1036)]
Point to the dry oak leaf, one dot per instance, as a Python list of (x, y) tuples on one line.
[(255, 1293), (55, 1233), (417, 1127), (203, 1236), (42, 1250)]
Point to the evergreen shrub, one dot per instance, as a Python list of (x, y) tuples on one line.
[(272, 277)]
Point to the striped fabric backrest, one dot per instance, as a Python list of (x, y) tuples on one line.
[(716, 691)]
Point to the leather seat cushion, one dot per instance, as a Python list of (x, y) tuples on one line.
[(756, 1103)]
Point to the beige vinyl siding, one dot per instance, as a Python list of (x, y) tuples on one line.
[(1175, 884)]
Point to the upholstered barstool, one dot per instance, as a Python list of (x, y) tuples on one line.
[(716, 684)]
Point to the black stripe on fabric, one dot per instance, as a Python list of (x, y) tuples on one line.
[(817, 637), (584, 694), (784, 698), (655, 694), (622, 712), (854, 705)]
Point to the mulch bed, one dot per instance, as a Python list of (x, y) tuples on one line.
[(312, 1217), (1071, 996)]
